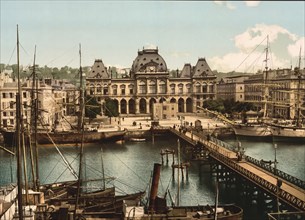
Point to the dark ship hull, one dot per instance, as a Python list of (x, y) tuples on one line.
[(66, 137)]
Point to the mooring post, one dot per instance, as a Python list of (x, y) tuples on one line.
[(182, 168), (187, 172), (162, 156), (167, 158)]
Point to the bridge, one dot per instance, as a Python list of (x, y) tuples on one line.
[(283, 186)]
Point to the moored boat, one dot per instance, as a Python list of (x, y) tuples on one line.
[(158, 208), (288, 132), (253, 130), (66, 137)]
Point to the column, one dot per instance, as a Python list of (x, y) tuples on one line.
[(119, 107), (127, 106), (137, 106), (147, 107)]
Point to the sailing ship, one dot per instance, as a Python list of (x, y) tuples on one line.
[(256, 127), (63, 137), (57, 200), (292, 129)]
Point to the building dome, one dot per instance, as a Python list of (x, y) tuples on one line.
[(148, 60)]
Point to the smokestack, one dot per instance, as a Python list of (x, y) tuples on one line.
[(154, 186)]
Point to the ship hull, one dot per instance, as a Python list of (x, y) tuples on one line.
[(289, 133), (67, 137), (252, 130)]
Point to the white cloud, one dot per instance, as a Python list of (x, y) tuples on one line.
[(254, 36), (294, 49), (227, 4), (252, 3), (248, 58)]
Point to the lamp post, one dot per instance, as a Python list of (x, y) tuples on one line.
[(278, 182), (275, 161)]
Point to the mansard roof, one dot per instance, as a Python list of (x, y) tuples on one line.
[(186, 71), (202, 69), (147, 58), (98, 70)]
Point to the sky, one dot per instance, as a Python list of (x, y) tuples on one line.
[(231, 35)]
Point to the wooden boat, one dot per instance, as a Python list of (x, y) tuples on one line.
[(66, 137), (158, 208)]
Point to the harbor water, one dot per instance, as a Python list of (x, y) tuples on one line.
[(131, 164)]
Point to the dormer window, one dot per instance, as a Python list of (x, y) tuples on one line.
[(98, 66)]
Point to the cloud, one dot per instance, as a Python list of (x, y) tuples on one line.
[(227, 4), (250, 58), (255, 35), (252, 3), (294, 49)]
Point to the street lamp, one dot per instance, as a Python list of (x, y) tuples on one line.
[(278, 181), (275, 161)]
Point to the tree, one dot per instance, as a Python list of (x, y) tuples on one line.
[(214, 105), (111, 108), (92, 107)]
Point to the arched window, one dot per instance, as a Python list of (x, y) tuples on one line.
[(123, 89), (204, 88), (131, 86), (152, 87), (142, 87), (198, 87), (98, 88), (172, 87), (92, 89), (162, 87), (114, 89), (180, 88), (188, 88), (211, 88), (105, 89)]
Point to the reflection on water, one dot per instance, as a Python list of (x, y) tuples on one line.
[(132, 163)]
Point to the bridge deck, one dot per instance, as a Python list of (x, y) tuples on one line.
[(288, 192)]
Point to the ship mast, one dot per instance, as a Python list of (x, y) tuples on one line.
[(34, 116), (298, 122), (81, 128), (265, 77), (19, 129)]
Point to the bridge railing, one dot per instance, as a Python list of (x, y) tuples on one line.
[(223, 144), (267, 167), (277, 172), (272, 188)]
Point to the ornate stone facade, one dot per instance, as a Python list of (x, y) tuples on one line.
[(149, 82)]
